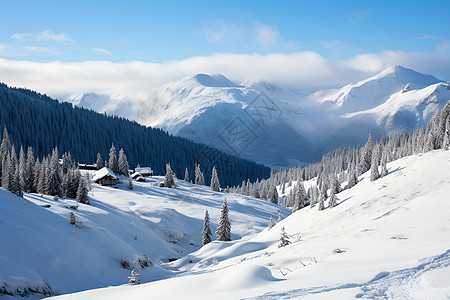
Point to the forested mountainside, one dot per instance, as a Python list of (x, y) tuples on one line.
[(36, 120)]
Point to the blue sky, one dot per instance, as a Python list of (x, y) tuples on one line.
[(120, 31), (128, 48)]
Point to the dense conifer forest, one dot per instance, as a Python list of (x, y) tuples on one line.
[(36, 120)]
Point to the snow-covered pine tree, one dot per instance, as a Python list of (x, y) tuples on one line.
[(82, 192), (67, 163), (6, 172), (99, 163), (374, 175), (366, 158), (279, 216), (22, 168), (207, 234), (55, 172), (284, 238), (72, 219), (123, 163), (16, 187), (186, 176), (383, 171), (321, 201), (352, 179), (300, 197), (134, 278), (333, 200), (113, 162), (335, 184), (223, 232), (169, 179), (273, 195), (271, 223), (199, 178), (215, 184), (29, 170), (5, 150)]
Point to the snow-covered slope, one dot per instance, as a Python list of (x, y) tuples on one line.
[(283, 127), (41, 253), (387, 239)]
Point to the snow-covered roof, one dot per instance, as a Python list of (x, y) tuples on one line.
[(102, 173), (144, 170)]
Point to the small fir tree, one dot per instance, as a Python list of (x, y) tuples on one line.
[(169, 179), (207, 234), (99, 163), (374, 175), (321, 202), (215, 184), (82, 192), (333, 200), (134, 278), (113, 162), (284, 238), (186, 176), (271, 223), (223, 232), (123, 163)]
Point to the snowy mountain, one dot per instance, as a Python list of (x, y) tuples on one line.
[(41, 254), (279, 126), (386, 239)]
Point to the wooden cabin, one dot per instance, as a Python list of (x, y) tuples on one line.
[(145, 171), (105, 176)]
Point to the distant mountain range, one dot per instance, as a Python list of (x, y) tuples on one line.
[(282, 127)]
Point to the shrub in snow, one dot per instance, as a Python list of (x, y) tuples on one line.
[(124, 264), (130, 183), (284, 239)]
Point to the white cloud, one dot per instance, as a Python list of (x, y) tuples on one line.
[(101, 51), (46, 35), (306, 71), (266, 36)]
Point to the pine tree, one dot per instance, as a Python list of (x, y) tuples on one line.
[(333, 200), (383, 171), (186, 176), (199, 178), (113, 163), (352, 179), (279, 216), (366, 156), (29, 171), (207, 234), (123, 163), (374, 175), (223, 232), (22, 168), (169, 179), (99, 162), (284, 238), (273, 196), (271, 223), (55, 180), (5, 150), (82, 192), (6, 172), (215, 184), (321, 202)]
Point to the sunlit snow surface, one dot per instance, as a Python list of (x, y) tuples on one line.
[(388, 239)]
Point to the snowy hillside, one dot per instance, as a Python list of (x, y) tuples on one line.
[(42, 253), (387, 239), (235, 118)]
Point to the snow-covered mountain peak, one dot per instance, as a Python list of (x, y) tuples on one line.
[(215, 80)]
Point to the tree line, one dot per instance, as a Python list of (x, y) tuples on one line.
[(36, 120)]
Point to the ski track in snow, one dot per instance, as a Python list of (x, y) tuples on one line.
[(401, 284)]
